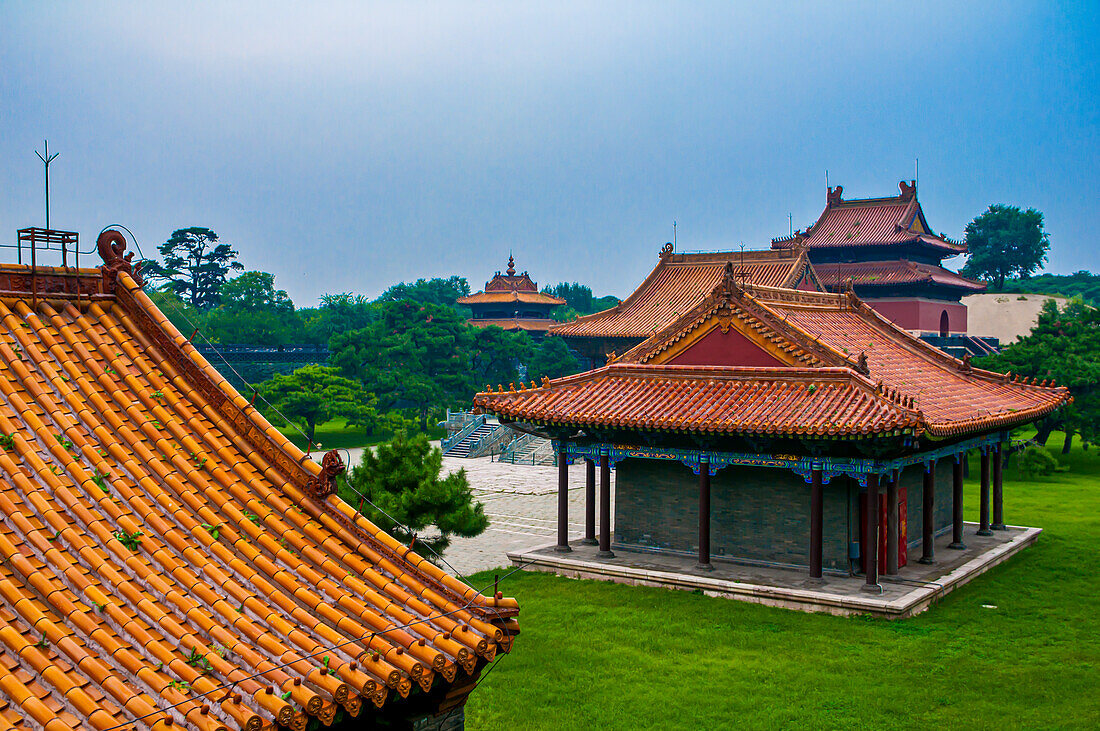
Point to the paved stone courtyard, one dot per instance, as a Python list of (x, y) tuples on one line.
[(521, 502)]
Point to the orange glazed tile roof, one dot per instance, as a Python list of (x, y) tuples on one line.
[(537, 298), (870, 222), (711, 399), (527, 324), (817, 336), (169, 558), (681, 281), (887, 273)]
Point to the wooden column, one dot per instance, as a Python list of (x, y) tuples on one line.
[(998, 489), (563, 501), (892, 526), (983, 509), (928, 515), (957, 504), (704, 516), (871, 531), (816, 511), (605, 507), (589, 502)]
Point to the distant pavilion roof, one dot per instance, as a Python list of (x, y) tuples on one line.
[(169, 557), (681, 281), (510, 287), (871, 222), (528, 324), (832, 349), (892, 273)]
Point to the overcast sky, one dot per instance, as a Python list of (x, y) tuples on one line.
[(348, 146)]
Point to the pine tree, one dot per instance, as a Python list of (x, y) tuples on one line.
[(402, 478)]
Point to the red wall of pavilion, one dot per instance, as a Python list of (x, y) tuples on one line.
[(922, 315), (729, 348)]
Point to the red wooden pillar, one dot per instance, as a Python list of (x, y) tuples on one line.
[(589, 502), (605, 507), (704, 516), (892, 526), (983, 508), (998, 489), (957, 504), (871, 516), (816, 511), (563, 500), (928, 549)]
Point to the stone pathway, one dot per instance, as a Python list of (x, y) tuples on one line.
[(521, 503)]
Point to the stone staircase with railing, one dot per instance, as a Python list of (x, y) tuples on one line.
[(528, 449)]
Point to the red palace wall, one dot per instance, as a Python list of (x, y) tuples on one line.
[(729, 348), (922, 315)]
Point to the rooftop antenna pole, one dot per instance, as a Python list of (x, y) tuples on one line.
[(826, 179), (916, 176), (674, 236), (46, 159), (790, 222)]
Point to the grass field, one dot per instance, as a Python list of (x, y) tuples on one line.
[(335, 435), (596, 655)]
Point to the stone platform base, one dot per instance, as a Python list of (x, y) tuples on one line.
[(911, 591)]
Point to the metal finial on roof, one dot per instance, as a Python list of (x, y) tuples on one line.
[(511, 265)]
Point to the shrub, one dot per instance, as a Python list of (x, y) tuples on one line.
[(1035, 461)]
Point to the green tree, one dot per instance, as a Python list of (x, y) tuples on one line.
[(436, 291), (314, 395), (180, 313), (495, 356), (1064, 346), (413, 356), (1005, 241), (338, 313), (401, 477), (253, 312), (552, 359), (576, 295), (195, 266)]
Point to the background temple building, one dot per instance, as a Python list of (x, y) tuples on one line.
[(719, 422), (512, 301), (169, 559), (892, 257), (678, 283)]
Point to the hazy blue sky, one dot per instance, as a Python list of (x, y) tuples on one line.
[(348, 146)]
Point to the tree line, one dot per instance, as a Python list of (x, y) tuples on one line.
[(407, 354)]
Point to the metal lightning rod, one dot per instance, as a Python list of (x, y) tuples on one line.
[(46, 159)]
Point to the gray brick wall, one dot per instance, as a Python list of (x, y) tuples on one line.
[(757, 513)]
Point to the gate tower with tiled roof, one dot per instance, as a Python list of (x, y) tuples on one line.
[(886, 251)]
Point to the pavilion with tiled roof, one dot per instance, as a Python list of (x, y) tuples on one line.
[(763, 391), (169, 558), (885, 250), (513, 302), (676, 284)]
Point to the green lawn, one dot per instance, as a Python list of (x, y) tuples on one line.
[(336, 435), (596, 655)]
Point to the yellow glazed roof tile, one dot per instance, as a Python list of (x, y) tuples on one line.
[(168, 558)]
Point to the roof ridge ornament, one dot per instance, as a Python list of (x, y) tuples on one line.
[(323, 484), (908, 190), (111, 244), (834, 194), (511, 265), (666, 251)]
